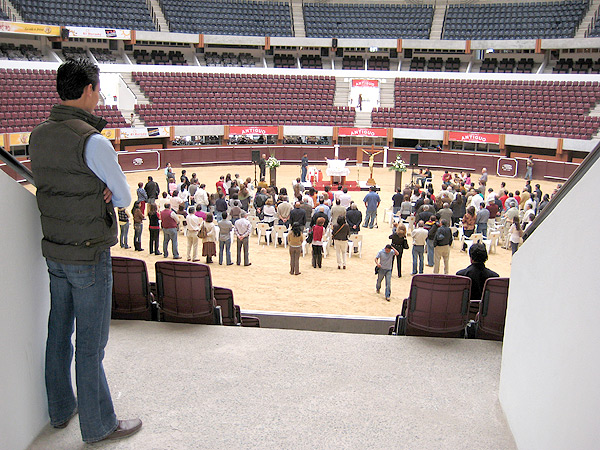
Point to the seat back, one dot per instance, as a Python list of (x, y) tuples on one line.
[(279, 230), (262, 226), (476, 237), (438, 305), (185, 292), (356, 238), (224, 298), (131, 297), (492, 309)]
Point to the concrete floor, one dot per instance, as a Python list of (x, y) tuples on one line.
[(208, 387)]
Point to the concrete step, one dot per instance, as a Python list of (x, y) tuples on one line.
[(298, 17), (157, 15), (437, 23), (587, 19)]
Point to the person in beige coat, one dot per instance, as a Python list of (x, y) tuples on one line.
[(209, 243)]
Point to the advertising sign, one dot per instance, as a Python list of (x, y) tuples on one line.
[(29, 28), (137, 133), (139, 161), (99, 33), (363, 132), (507, 167), (19, 139), (467, 136), (250, 131)]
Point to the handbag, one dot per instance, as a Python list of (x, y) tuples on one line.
[(405, 244), (309, 237), (376, 270), (202, 233)]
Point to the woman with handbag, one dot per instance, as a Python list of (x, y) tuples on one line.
[(399, 243), (341, 230), (209, 242)]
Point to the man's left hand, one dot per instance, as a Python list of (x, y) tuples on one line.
[(107, 195)]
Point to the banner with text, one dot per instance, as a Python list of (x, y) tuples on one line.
[(29, 28), (363, 132), (99, 33), (364, 95), (137, 133), (482, 138), (251, 131)]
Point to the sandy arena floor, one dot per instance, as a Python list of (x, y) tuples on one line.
[(267, 284)]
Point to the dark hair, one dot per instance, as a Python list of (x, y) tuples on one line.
[(136, 205), (209, 217), (297, 228), (341, 220), (516, 223), (74, 75), (478, 253)]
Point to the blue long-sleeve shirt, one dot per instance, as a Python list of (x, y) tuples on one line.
[(101, 158)]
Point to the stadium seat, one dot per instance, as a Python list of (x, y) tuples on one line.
[(437, 306), (489, 322), (185, 293), (231, 312), (131, 296)]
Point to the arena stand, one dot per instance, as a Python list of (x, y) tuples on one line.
[(245, 18), (367, 20), (125, 14), (554, 109), (192, 98), (551, 20), (26, 96)]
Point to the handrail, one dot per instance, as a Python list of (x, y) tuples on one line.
[(15, 165), (579, 173)]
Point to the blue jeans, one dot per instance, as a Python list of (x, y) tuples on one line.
[(82, 293), (137, 235), (387, 274), (303, 174), (370, 218), (430, 250), (123, 237), (418, 253), (529, 173), (482, 228), (170, 234), (225, 245)]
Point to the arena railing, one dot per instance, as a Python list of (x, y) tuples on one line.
[(14, 164), (579, 173)]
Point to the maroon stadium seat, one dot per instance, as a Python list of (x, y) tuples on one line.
[(492, 309), (185, 293), (131, 296), (438, 305)]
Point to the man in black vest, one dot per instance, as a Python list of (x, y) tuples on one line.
[(79, 181)]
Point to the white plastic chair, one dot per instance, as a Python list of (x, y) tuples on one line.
[(494, 239), (263, 229), (280, 231), (410, 220), (355, 240), (253, 221)]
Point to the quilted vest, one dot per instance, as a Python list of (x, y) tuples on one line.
[(76, 222)]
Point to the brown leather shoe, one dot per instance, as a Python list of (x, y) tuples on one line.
[(63, 425), (126, 428)]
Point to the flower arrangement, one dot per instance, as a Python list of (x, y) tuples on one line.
[(273, 163), (399, 165)]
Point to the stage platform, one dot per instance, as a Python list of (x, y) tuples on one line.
[(351, 185)]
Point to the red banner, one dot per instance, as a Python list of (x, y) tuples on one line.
[(250, 130), (363, 132), (365, 83), (465, 136)]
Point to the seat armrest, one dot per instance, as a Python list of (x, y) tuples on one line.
[(400, 326), (218, 316)]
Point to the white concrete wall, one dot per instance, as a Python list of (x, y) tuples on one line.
[(24, 306), (549, 386)]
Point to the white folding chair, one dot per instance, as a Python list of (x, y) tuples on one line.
[(355, 240), (388, 212), (474, 238), (253, 221), (280, 232), (263, 229)]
